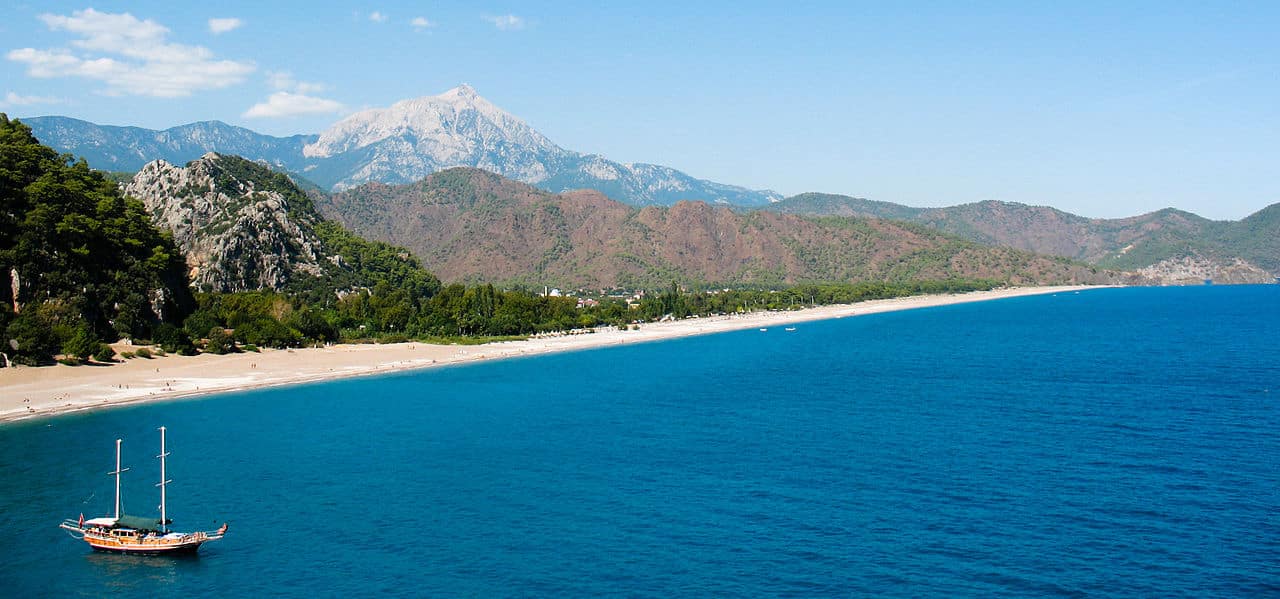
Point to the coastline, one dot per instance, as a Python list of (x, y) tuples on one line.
[(46, 391)]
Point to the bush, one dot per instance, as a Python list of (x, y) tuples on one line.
[(105, 353), (143, 352), (267, 332), (251, 347), (173, 339), (82, 345), (127, 355), (219, 342)]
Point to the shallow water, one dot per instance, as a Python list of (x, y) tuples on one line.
[(1121, 442)]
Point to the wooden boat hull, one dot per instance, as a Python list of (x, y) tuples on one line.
[(136, 543), (175, 549)]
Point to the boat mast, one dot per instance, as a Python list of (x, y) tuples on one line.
[(164, 520), (117, 474)]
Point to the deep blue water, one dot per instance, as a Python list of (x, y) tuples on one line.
[(1105, 443)]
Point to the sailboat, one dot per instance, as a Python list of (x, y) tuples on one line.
[(122, 533)]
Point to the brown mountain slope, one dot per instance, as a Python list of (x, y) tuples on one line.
[(467, 224), (1157, 242)]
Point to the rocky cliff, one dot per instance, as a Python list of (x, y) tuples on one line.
[(240, 226)]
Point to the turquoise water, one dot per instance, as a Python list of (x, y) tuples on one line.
[(1108, 443)]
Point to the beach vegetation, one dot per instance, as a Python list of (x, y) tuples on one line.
[(83, 344), (142, 352), (218, 341), (32, 339), (173, 339), (104, 354)]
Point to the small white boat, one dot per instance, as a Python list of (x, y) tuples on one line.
[(140, 535), (763, 330), (790, 329)]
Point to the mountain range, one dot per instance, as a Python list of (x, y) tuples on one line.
[(399, 144), (413, 139), (1170, 246), (472, 225)]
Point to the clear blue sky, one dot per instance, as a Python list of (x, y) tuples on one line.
[(1104, 109)]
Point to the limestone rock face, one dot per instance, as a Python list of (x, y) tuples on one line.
[(238, 234)]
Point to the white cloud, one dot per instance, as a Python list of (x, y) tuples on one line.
[(130, 56), (217, 26), (13, 99), (283, 80), (507, 22), (284, 104), (421, 23), (377, 17)]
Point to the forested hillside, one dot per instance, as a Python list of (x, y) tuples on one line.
[(468, 224), (81, 262), (1161, 244)]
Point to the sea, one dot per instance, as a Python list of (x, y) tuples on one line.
[(1102, 443)]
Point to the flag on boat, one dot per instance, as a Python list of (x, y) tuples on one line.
[(81, 523), (222, 529)]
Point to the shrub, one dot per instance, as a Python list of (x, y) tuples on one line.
[(82, 345), (143, 352), (105, 353), (219, 341), (267, 332), (172, 339)]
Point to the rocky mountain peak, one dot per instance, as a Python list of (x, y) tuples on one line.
[(463, 91), (241, 226), (413, 138), (458, 121), (399, 144)]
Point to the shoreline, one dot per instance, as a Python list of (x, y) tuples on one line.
[(41, 392)]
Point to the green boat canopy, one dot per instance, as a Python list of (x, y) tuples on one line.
[(138, 522)]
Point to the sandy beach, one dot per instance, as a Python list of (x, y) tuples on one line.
[(27, 392)]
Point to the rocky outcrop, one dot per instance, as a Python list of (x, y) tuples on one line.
[(1194, 270), (237, 233)]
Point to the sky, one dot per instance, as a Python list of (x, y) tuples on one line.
[(1103, 109)]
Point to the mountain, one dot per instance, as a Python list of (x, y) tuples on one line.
[(414, 138), (244, 227), (1170, 245), (399, 144), (472, 225), (830, 204), (112, 148)]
